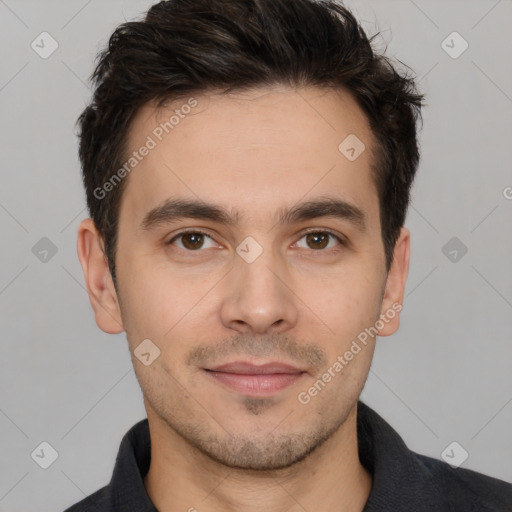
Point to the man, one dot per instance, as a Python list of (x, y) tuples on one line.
[(247, 165)]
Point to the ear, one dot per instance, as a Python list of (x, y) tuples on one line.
[(395, 285), (100, 287)]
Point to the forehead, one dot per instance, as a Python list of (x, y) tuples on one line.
[(251, 152)]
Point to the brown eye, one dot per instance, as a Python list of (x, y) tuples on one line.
[(191, 240), (318, 240)]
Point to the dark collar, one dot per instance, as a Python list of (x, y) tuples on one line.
[(400, 479)]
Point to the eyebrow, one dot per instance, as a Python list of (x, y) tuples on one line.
[(175, 209)]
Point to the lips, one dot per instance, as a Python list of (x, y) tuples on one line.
[(255, 380), (252, 369)]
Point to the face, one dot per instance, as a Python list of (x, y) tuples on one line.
[(250, 254)]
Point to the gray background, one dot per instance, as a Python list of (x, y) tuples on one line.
[(445, 376)]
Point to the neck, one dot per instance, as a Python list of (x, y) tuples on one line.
[(181, 478)]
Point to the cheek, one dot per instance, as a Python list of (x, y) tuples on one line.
[(150, 305), (347, 302)]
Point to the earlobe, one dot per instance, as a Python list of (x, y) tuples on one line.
[(395, 285), (98, 280)]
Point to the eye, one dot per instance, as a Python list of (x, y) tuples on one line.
[(318, 240), (191, 240)]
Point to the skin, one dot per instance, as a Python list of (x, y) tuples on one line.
[(213, 448)]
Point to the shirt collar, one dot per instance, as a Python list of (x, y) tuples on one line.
[(399, 476)]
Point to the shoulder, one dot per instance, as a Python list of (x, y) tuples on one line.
[(464, 489), (99, 501)]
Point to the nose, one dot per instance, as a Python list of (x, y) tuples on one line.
[(259, 297)]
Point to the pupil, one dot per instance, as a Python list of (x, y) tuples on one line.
[(314, 237), (193, 236)]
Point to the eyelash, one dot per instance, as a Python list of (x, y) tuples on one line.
[(198, 231)]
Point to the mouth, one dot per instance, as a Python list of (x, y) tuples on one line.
[(255, 380)]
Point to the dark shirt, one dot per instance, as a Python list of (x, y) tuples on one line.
[(402, 480)]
